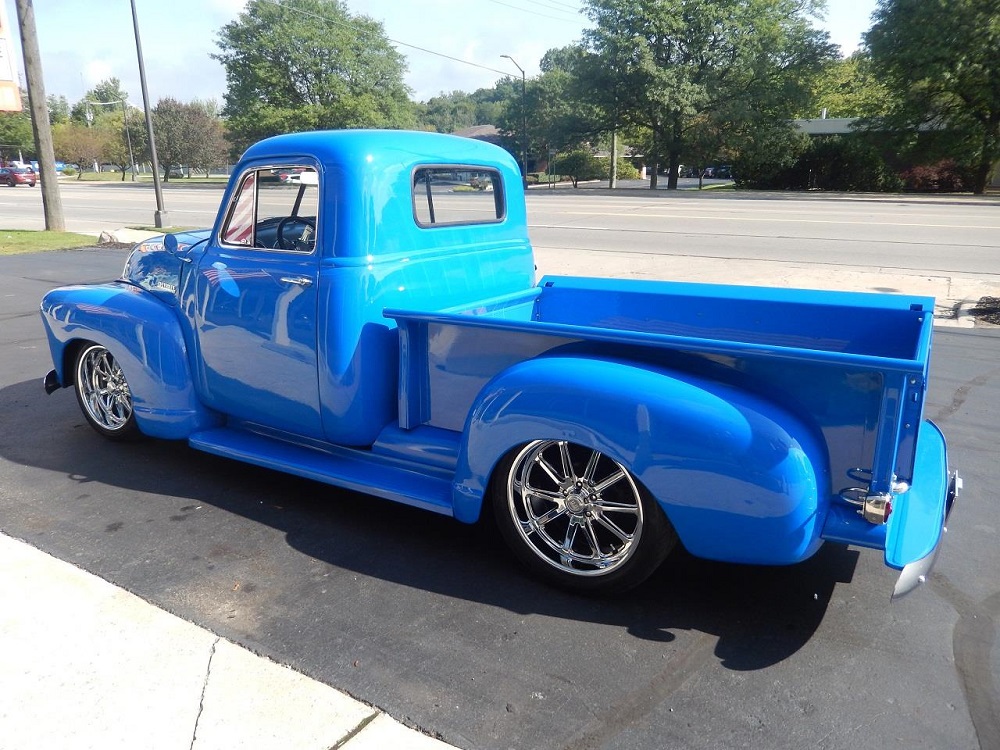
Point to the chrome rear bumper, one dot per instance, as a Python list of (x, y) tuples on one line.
[(916, 572)]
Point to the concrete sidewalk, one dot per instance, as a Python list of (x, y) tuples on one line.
[(87, 665), (955, 295)]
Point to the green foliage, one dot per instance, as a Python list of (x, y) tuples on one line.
[(848, 88), (940, 61), (306, 65), (626, 170), (188, 135), (851, 162), (765, 154), (123, 144), (15, 134), (97, 103), (672, 65), (450, 112), (845, 163), (58, 108), (580, 164), (76, 143)]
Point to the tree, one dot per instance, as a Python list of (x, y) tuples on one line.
[(674, 65), (309, 64), (184, 134), (126, 139), (79, 144), (940, 59), (212, 146), (16, 137), (450, 112), (90, 110), (579, 164), (58, 108), (847, 88)]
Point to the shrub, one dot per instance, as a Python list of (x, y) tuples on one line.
[(626, 170), (580, 165), (944, 176)]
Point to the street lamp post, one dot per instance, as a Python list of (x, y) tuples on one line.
[(160, 215), (524, 121)]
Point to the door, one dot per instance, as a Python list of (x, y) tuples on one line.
[(257, 292)]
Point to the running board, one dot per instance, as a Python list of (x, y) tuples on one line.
[(342, 467)]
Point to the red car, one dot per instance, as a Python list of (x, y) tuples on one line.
[(14, 176)]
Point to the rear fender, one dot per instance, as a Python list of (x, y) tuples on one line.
[(740, 478), (145, 338)]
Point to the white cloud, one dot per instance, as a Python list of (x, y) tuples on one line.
[(95, 71)]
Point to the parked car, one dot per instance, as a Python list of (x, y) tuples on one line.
[(290, 176), (14, 176)]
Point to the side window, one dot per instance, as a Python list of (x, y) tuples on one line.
[(450, 196), (275, 208)]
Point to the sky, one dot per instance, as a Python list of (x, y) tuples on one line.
[(83, 42)]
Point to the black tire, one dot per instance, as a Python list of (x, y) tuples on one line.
[(103, 394), (577, 519)]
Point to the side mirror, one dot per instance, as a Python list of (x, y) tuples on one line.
[(175, 248)]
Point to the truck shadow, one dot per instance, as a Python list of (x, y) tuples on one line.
[(759, 616)]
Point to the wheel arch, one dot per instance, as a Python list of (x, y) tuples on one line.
[(740, 478), (144, 336)]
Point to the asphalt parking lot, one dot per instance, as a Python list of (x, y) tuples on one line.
[(432, 622)]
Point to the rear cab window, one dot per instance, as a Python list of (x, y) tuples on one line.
[(457, 195)]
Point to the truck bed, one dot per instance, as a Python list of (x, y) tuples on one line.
[(853, 364), (810, 324)]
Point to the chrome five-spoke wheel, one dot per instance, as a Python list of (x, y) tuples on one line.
[(104, 394), (579, 518)]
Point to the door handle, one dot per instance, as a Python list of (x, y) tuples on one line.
[(298, 280)]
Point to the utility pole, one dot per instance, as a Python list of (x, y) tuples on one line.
[(40, 126)]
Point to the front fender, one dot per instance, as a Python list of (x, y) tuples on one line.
[(741, 478), (145, 337)]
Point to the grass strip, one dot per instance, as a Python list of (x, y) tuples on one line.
[(15, 241)]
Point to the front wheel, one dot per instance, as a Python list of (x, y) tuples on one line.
[(579, 519), (104, 394)]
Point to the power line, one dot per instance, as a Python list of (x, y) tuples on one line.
[(345, 24), (576, 8), (534, 12)]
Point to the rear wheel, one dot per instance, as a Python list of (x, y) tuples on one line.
[(579, 519), (104, 394)]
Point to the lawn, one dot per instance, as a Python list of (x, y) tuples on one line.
[(13, 241)]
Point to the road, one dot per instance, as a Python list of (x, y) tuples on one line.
[(940, 246), (431, 621)]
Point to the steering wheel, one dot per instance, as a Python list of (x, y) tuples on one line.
[(279, 239)]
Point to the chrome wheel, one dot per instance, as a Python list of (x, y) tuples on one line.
[(103, 392), (576, 509)]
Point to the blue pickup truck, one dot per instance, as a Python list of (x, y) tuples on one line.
[(365, 313)]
